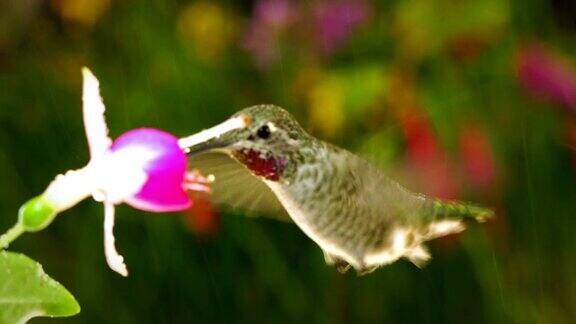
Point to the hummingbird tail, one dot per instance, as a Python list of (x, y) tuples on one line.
[(446, 210), (448, 217)]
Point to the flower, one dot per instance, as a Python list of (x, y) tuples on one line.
[(145, 168), (160, 157), (426, 158), (336, 21), (477, 157), (208, 28), (203, 218), (85, 12), (275, 13), (327, 106), (271, 18), (327, 25), (546, 74)]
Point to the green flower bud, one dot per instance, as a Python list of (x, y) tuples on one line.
[(36, 214)]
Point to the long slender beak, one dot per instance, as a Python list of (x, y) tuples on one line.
[(218, 136)]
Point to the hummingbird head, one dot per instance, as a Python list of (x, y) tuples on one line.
[(264, 138)]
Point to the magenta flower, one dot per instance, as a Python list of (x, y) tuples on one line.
[(165, 165), (145, 168), (336, 21), (548, 75), (271, 18)]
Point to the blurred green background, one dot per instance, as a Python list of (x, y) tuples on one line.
[(467, 99)]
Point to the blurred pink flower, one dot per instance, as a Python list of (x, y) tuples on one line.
[(274, 13), (335, 21), (426, 160), (203, 218), (330, 25), (546, 74), (271, 18), (477, 157)]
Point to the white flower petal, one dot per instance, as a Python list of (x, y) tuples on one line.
[(115, 261), (93, 111), (68, 189), (120, 174)]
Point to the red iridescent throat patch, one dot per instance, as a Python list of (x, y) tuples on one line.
[(268, 166)]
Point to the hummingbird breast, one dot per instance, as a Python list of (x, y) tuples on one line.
[(344, 204)]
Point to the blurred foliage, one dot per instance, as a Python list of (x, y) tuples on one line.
[(468, 99)]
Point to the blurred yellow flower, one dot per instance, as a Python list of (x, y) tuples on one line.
[(352, 93), (85, 12), (208, 28), (423, 28), (327, 107), (306, 77)]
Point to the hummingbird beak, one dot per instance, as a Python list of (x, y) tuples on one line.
[(219, 136)]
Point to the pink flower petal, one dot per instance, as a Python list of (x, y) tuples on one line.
[(547, 74), (165, 164)]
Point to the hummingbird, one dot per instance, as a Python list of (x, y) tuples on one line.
[(358, 216)]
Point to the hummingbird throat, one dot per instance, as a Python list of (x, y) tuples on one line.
[(264, 165)]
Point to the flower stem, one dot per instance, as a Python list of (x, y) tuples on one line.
[(11, 235)]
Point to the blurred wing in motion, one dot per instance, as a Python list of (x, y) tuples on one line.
[(235, 187)]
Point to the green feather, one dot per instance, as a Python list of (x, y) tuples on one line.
[(442, 209)]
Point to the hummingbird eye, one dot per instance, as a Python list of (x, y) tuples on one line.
[(263, 132)]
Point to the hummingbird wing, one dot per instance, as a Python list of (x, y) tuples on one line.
[(236, 188), (410, 219)]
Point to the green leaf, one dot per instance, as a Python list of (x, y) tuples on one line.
[(27, 292)]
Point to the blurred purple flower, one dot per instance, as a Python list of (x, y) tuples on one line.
[(271, 17), (274, 12), (547, 74), (331, 23), (335, 22)]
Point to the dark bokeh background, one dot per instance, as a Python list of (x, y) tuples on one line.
[(468, 99)]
